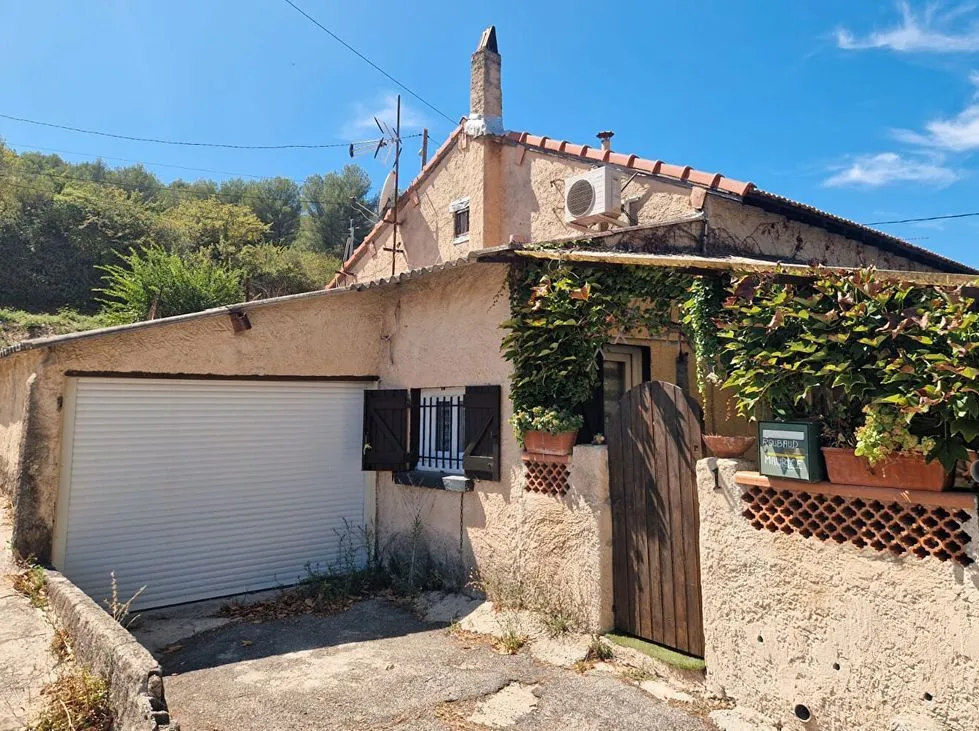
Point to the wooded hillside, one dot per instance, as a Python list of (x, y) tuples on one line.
[(60, 222)]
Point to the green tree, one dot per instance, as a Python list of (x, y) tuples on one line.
[(276, 202), (329, 207), (273, 271), (216, 228)]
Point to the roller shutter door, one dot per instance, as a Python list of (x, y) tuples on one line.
[(206, 488)]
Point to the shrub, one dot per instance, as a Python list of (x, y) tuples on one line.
[(152, 283), (830, 347)]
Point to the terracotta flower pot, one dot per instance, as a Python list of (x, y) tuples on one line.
[(543, 442), (904, 471), (727, 447)]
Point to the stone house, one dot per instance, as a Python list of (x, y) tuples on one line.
[(225, 451)]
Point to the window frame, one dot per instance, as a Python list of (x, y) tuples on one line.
[(457, 208), (436, 460)]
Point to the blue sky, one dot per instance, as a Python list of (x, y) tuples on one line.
[(868, 110)]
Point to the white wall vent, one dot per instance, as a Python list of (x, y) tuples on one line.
[(592, 197)]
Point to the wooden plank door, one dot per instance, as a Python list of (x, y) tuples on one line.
[(654, 444)]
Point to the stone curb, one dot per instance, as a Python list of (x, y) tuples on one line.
[(103, 646)]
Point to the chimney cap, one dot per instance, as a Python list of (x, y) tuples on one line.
[(605, 134), (488, 40)]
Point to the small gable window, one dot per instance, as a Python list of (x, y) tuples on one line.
[(460, 220)]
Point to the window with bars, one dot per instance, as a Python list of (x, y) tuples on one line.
[(433, 432), (441, 430)]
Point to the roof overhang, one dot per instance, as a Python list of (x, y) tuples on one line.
[(735, 264)]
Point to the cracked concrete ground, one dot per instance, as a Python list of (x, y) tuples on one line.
[(26, 664), (376, 666)]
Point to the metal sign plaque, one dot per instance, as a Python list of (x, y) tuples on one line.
[(790, 449)]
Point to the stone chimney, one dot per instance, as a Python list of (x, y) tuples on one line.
[(485, 89)]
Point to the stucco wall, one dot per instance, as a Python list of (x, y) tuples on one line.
[(334, 334), (444, 330), (13, 415), (534, 196), (780, 610), (749, 230), (426, 229)]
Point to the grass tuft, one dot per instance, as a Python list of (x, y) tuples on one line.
[(599, 650), (76, 700), (511, 642), (120, 610), (32, 582), (61, 645)]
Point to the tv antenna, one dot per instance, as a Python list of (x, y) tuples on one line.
[(383, 148)]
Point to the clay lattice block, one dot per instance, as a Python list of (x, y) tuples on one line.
[(549, 478), (921, 530)]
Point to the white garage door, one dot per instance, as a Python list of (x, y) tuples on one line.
[(205, 488)]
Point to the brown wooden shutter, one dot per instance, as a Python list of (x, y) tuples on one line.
[(386, 430), (481, 459)]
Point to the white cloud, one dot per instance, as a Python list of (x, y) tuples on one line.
[(930, 31), (958, 134), (874, 171), (361, 125)]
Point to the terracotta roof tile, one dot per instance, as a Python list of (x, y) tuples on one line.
[(712, 181)]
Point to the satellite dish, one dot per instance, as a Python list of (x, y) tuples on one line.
[(387, 195)]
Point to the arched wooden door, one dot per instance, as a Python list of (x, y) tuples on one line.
[(654, 443)]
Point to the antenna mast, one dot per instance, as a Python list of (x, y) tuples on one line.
[(397, 165)]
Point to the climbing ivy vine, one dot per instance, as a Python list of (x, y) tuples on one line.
[(562, 316)]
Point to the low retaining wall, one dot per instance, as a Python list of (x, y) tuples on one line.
[(103, 646), (862, 639)]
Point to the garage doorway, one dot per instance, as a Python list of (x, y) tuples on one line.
[(199, 487)]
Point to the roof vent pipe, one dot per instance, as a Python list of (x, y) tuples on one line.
[(606, 138)]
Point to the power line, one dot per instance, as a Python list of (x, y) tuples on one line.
[(24, 149), (364, 58), (181, 143), (921, 220), (224, 197)]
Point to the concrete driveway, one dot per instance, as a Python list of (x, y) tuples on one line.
[(376, 666)]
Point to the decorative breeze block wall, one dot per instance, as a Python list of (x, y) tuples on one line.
[(548, 475), (921, 530)]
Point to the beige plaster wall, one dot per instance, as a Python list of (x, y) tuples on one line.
[(749, 230), (333, 334), (443, 330), (13, 415), (534, 196), (780, 610), (426, 228)]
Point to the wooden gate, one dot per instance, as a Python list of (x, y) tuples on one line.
[(654, 444)]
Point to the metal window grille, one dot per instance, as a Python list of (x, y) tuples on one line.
[(441, 438)]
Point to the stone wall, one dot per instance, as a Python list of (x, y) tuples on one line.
[(862, 639), (104, 647)]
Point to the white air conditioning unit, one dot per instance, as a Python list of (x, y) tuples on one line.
[(592, 197)]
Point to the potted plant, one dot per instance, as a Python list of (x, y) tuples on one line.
[(548, 431), (886, 454)]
